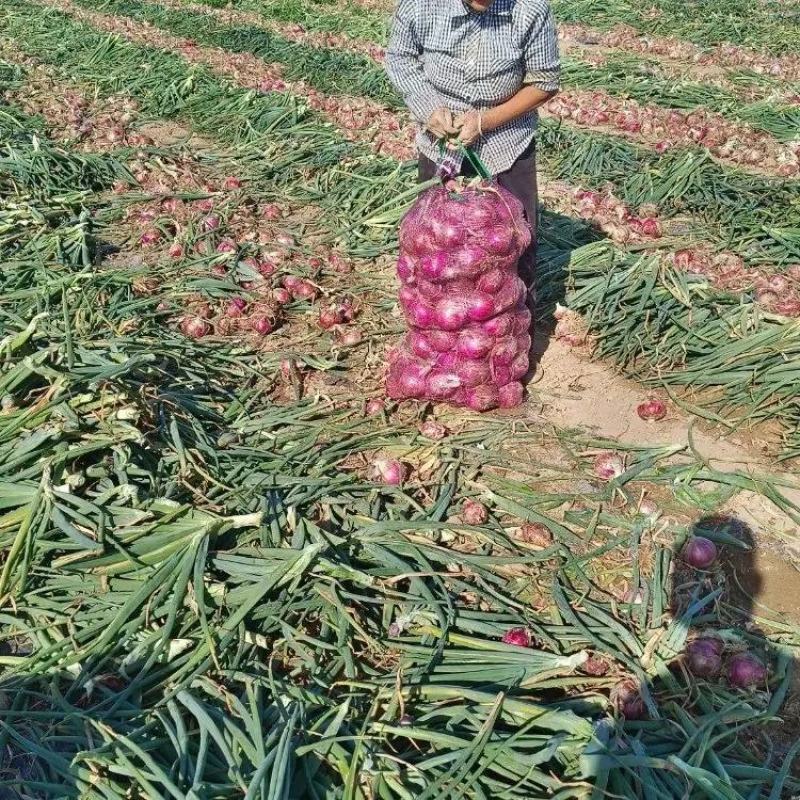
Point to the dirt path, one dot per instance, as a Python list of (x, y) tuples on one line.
[(572, 390)]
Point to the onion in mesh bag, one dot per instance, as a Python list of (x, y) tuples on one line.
[(442, 384), (520, 366), (442, 341), (473, 372), (510, 395), (482, 398), (417, 341), (406, 269), (407, 377), (474, 342), (433, 266)]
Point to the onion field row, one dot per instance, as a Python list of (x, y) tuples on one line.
[(208, 588), (759, 379)]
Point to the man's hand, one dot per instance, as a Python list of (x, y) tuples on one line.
[(440, 123), (470, 127)]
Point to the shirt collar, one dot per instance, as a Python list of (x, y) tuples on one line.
[(499, 8)]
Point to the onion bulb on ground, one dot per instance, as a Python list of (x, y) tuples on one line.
[(431, 429), (746, 671), (474, 513), (262, 324), (535, 533), (519, 637), (704, 657), (652, 410), (608, 466), (699, 552), (388, 471), (236, 307), (374, 406), (627, 699), (596, 666), (349, 337), (194, 327)]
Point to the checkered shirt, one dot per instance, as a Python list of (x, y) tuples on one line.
[(441, 53)]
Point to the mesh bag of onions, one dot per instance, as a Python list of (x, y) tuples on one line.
[(469, 328)]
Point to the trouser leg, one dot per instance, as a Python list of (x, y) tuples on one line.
[(520, 180), (426, 169)]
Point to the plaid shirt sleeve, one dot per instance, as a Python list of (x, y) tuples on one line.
[(542, 64), (404, 65)]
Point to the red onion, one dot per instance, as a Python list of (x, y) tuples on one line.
[(608, 466), (345, 309), (746, 671), (262, 324), (220, 270), (474, 343), (520, 366), (479, 216), (420, 346), (447, 234), (451, 314), (473, 373), (519, 637), (652, 410), (536, 534), (482, 398), (176, 250), (627, 699), (474, 513), (647, 508), (431, 429), (389, 471), (411, 378), (304, 290), (703, 657), (150, 237), (501, 373), (498, 240), (226, 246), (480, 306), (499, 326), (406, 269), (442, 385), (505, 351), (349, 337), (194, 327), (271, 211), (651, 227), (205, 205), (375, 405), (211, 222), (442, 341), (699, 552), (328, 318), (281, 296), (433, 266), (522, 325), (492, 281), (468, 261), (236, 307), (230, 183), (596, 666), (448, 360), (285, 240), (511, 395)]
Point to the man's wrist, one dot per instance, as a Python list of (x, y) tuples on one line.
[(489, 120)]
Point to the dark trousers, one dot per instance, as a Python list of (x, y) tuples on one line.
[(520, 180)]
